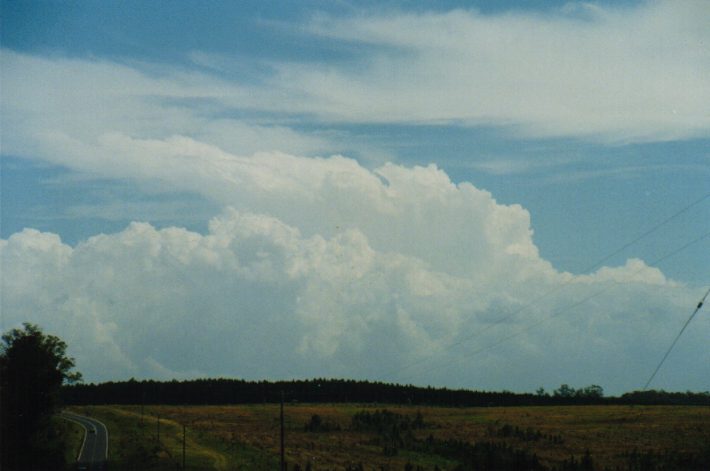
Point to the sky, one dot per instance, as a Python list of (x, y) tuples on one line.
[(486, 195)]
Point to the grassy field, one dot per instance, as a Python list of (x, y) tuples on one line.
[(137, 442), (247, 436)]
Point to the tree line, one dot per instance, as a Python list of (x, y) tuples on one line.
[(237, 391)]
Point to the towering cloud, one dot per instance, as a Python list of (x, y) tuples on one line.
[(328, 266), (321, 267)]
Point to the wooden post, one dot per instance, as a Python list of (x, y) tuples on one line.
[(183, 446), (158, 430), (283, 454), (142, 403)]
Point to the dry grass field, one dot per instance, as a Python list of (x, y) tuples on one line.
[(247, 436)]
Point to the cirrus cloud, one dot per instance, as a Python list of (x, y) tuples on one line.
[(602, 74), (632, 74)]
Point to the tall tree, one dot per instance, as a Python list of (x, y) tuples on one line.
[(33, 367)]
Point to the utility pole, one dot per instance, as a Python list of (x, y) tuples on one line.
[(142, 403), (283, 455)]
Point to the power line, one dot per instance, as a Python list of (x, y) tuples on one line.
[(571, 306), (700, 304), (559, 287), (648, 232)]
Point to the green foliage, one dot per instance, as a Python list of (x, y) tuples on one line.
[(527, 435), (586, 463), (234, 391), (591, 392), (134, 445), (650, 460), (318, 425), (71, 435), (564, 391), (33, 367), (394, 430), (385, 421), (655, 397), (481, 455), (395, 433)]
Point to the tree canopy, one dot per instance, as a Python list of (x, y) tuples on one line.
[(33, 367)]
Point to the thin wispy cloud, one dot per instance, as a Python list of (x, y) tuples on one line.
[(508, 166), (618, 75), (613, 75)]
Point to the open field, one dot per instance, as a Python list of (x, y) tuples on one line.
[(137, 443), (247, 436)]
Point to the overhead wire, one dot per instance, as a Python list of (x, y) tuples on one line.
[(557, 313), (559, 287), (566, 308), (700, 305)]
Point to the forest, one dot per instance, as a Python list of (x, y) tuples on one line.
[(236, 391)]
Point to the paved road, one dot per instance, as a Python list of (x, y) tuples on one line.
[(94, 450)]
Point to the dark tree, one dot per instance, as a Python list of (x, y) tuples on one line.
[(591, 392), (33, 367), (564, 391)]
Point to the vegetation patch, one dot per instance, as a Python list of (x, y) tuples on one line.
[(318, 425), (154, 441), (71, 436), (361, 436)]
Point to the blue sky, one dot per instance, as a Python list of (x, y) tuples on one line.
[(554, 132)]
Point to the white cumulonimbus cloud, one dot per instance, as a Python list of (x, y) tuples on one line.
[(323, 267), (320, 267)]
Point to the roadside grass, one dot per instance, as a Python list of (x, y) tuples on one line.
[(134, 444), (71, 435)]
